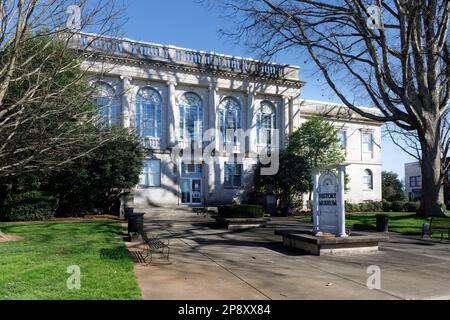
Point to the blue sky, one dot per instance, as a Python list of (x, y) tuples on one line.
[(186, 23)]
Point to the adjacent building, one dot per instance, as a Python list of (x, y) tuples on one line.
[(207, 119), (413, 183)]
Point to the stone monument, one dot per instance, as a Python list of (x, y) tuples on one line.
[(329, 202), (328, 235)]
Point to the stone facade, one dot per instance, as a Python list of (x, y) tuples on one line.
[(360, 161), (178, 85)]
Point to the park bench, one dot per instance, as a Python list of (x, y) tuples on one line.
[(153, 245), (441, 225)]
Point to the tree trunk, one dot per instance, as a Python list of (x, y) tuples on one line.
[(432, 179)]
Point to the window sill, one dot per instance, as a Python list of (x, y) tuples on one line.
[(147, 187)]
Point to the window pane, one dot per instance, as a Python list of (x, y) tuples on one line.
[(191, 117), (148, 113), (265, 123), (368, 179), (228, 175), (229, 114), (342, 135), (367, 142), (152, 173)]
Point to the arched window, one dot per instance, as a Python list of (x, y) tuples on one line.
[(148, 113), (368, 180), (229, 119), (108, 103), (191, 117), (265, 123)]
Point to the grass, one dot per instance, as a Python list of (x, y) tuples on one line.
[(36, 268), (399, 222)]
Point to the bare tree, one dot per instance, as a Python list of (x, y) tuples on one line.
[(409, 141), (394, 53), (33, 108)]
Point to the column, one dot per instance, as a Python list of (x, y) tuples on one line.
[(284, 131), (251, 120), (291, 116), (173, 115), (212, 110), (212, 116), (316, 175), (341, 201), (127, 105)]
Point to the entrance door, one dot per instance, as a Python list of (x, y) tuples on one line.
[(196, 191), (186, 191), (191, 191)]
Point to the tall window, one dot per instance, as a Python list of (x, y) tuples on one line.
[(342, 135), (415, 181), (148, 113), (368, 144), (265, 123), (108, 103), (368, 180), (229, 119), (151, 176), (191, 117), (233, 175)]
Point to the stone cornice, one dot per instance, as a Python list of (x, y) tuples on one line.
[(194, 70)]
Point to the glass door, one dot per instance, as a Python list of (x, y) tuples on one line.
[(191, 191), (191, 184), (186, 191), (196, 191)]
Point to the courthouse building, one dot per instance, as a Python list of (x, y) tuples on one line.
[(174, 97)]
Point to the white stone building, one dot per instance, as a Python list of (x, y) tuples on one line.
[(172, 96)]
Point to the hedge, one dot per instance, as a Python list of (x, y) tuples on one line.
[(382, 206), (31, 206), (241, 211)]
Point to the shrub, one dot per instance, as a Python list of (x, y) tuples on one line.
[(387, 206), (412, 206), (352, 207), (364, 207), (349, 207), (241, 211), (376, 206), (31, 206), (398, 206), (98, 180), (368, 206)]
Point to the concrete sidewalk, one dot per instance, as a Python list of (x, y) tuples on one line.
[(209, 263)]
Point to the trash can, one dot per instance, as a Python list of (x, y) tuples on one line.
[(128, 211), (135, 222), (270, 204), (382, 223)]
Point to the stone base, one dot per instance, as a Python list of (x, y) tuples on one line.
[(235, 223), (308, 242)]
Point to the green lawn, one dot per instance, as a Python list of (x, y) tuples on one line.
[(36, 267), (404, 223)]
